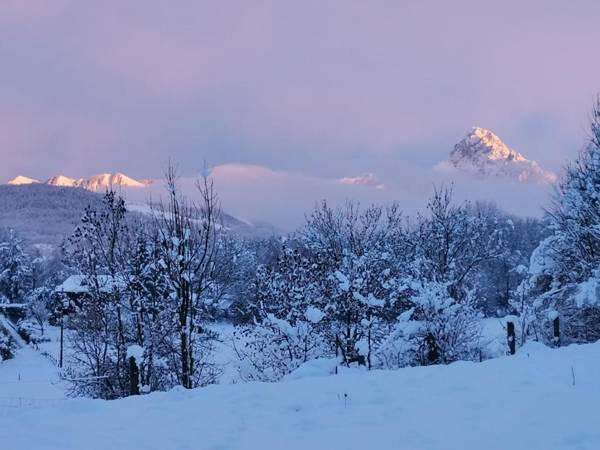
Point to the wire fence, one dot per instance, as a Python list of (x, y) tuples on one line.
[(10, 405), (30, 402)]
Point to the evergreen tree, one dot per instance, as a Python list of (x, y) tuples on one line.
[(15, 269)]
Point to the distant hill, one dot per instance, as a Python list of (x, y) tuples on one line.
[(229, 222), (42, 214)]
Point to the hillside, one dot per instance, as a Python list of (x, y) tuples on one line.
[(531, 401), (43, 214)]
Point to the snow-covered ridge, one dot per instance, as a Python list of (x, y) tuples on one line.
[(20, 180), (96, 183), (483, 153)]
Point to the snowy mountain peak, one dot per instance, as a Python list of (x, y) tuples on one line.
[(104, 180), (483, 153), (491, 145), (96, 183), (20, 180), (61, 180)]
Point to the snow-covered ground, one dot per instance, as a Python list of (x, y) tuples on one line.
[(30, 377), (224, 354), (524, 402), (28, 380)]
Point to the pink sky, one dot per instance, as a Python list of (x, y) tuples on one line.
[(323, 89)]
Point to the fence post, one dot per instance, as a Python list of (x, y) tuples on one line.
[(60, 359), (556, 324), (510, 336), (134, 377)]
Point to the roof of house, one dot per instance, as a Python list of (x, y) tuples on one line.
[(80, 284)]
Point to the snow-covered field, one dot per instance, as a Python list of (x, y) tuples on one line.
[(539, 399)]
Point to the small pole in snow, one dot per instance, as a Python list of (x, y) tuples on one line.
[(134, 377), (573, 375), (510, 336), (345, 400), (60, 363), (556, 323)]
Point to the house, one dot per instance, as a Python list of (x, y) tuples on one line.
[(76, 288)]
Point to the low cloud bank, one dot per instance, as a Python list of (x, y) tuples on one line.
[(258, 194)]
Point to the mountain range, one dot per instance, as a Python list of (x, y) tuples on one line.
[(45, 212), (96, 183), (480, 153)]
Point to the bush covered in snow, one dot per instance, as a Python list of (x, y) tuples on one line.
[(436, 329)]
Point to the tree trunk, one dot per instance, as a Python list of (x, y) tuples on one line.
[(185, 362)]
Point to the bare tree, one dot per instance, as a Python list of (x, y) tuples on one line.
[(453, 241), (188, 240)]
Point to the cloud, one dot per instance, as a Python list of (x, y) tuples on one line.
[(260, 194), (257, 193), (367, 179)]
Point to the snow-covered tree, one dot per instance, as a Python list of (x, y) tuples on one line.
[(360, 257), (359, 290), (453, 242), (15, 268), (565, 268), (575, 214), (6, 346), (188, 233), (495, 283), (148, 286), (96, 250), (436, 329), (151, 318), (38, 306), (288, 327)]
